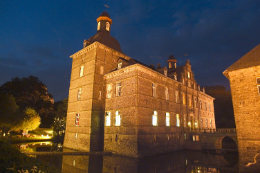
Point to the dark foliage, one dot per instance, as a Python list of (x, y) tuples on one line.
[(31, 92), (224, 113), (59, 123)]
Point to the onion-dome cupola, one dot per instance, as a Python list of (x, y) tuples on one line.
[(172, 62), (104, 22)]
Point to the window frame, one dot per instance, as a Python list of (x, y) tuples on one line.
[(178, 123), (167, 119), (167, 93), (109, 91), (108, 118), (118, 89), (154, 89), (79, 95), (77, 119), (81, 71), (107, 26), (155, 118), (118, 119)]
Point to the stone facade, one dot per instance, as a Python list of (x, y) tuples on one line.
[(121, 105), (244, 77)]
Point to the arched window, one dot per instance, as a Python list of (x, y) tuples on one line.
[(107, 26)]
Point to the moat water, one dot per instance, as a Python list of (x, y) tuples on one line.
[(179, 162)]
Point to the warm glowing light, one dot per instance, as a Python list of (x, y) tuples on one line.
[(167, 119), (154, 119), (108, 118), (118, 119)]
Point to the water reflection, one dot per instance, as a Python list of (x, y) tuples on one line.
[(181, 162)]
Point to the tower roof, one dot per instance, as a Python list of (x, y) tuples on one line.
[(252, 58), (105, 14)]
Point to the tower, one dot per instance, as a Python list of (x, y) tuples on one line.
[(85, 116)]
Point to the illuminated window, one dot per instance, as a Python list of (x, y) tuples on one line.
[(107, 26), (118, 89), (165, 72), (189, 84), (201, 122), (79, 94), (101, 69), (183, 98), (154, 119), (167, 119), (205, 106), (77, 119), (200, 105), (166, 93), (188, 74), (175, 77), (210, 121), (119, 65), (98, 26), (174, 65), (81, 71), (177, 120), (209, 108), (176, 96), (109, 89), (170, 65), (154, 89), (76, 136), (118, 119), (183, 81), (196, 124), (195, 102), (108, 118), (195, 137), (206, 123)]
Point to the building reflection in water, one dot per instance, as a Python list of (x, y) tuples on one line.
[(181, 162)]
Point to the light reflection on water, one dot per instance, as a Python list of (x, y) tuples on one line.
[(179, 162)]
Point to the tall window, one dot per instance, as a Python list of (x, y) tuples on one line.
[(175, 77), (155, 119), (177, 120), (209, 108), (205, 106), (166, 93), (98, 26), (201, 123), (189, 84), (79, 94), (210, 121), (206, 123), (154, 89), (183, 98), (118, 119), (258, 89), (176, 96), (118, 89), (170, 65), (100, 95), (167, 119), (195, 102), (183, 81), (196, 124), (109, 89), (188, 74), (81, 71), (258, 84), (107, 26), (77, 119), (200, 105), (108, 118), (184, 120)]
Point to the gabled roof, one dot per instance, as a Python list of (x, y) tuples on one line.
[(252, 58)]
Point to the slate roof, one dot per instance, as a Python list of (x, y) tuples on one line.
[(252, 58)]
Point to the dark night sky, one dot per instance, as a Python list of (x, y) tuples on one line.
[(37, 37)]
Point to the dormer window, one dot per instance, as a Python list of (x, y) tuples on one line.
[(107, 26), (119, 65), (165, 72), (98, 26)]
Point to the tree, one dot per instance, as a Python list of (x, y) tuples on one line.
[(29, 120), (8, 109), (31, 92), (59, 123), (224, 113)]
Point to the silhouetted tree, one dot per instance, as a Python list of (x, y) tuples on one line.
[(59, 123), (8, 109), (224, 112), (31, 92)]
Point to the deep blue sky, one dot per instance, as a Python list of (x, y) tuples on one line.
[(37, 37)]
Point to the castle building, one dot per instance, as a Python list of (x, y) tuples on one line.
[(244, 78), (119, 104)]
